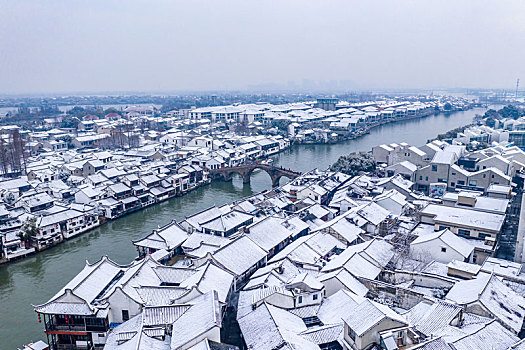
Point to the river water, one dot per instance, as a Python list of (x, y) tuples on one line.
[(35, 279)]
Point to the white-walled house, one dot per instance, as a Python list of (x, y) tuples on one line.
[(404, 168), (464, 222), (393, 201), (362, 327), (441, 246), (381, 153)]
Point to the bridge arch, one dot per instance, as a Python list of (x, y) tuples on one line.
[(246, 170), (277, 179), (248, 174)]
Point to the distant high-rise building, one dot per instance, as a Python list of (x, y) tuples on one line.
[(328, 104)]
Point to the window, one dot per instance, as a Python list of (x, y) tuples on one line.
[(484, 175), (420, 177), (81, 337), (441, 228), (125, 315), (482, 235), (463, 232), (453, 173), (351, 333), (474, 258), (426, 178), (452, 184), (461, 182), (300, 300), (443, 250), (316, 296), (401, 338), (473, 183), (434, 168)]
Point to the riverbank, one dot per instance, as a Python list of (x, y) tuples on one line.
[(101, 220), (366, 129), (37, 278)]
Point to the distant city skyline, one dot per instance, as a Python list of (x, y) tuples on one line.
[(170, 46)]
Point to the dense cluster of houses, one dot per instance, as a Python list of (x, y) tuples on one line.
[(65, 192), (439, 166), (326, 120), (327, 261), (350, 120), (505, 130), (69, 179)]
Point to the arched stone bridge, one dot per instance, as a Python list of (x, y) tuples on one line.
[(246, 170)]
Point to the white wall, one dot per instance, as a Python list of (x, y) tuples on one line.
[(431, 250), (119, 301)]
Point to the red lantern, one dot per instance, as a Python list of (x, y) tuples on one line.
[(39, 319), (66, 320)]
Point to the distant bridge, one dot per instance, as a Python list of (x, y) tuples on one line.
[(246, 170)]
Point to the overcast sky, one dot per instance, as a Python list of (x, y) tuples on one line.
[(70, 46)]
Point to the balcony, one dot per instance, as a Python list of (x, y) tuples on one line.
[(65, 327), (76, 327), (74, 347)]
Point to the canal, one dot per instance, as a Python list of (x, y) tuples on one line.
[(35, 279)]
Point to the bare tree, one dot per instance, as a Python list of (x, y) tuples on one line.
[(134, 141), (14, 155), (4, 160), (20, 150)]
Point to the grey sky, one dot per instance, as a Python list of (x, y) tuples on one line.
[(67, 45)]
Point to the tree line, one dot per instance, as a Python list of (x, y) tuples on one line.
[(13, 154), (507, 112)]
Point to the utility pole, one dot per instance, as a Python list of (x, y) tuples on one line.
[(211, 130), (517, 87)]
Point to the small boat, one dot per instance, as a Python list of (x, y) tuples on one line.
[(39, 345)]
